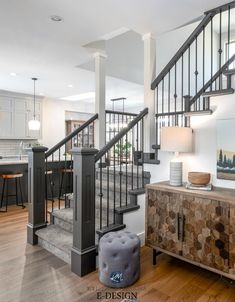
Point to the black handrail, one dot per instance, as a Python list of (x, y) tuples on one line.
[(221, 8), (182, 49), (71, 135), (121, 134), (215, 77), (121, 113)]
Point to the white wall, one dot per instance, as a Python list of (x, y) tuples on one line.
[(169, 43), (54, 118)]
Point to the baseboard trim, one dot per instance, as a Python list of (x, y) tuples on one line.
[(142, 238)]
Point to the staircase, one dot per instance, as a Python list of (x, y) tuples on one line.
[(110, 185), (119, 179), (57, 238)]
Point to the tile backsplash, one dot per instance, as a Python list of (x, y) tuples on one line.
[(12, 147)]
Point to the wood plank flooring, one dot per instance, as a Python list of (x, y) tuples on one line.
[(31, 274)]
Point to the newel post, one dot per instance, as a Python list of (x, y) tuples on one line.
[(83, 254), (36, 192)]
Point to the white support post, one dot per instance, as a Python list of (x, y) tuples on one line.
[(149, 76), (100, 127)]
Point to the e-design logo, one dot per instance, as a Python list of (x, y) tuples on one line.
[(116, 277)]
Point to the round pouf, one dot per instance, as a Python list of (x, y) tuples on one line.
[(119, 259)]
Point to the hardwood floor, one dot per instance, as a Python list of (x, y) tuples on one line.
[(31, 274)]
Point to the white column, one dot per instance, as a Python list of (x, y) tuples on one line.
[(149, 76), (100, 60)]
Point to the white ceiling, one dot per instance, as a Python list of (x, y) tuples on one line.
[(33, 45), (124, 57)]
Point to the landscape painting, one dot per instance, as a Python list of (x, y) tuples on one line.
[(226, 149)]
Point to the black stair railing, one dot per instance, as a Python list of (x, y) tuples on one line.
[(196, 67), (59, 164), (119, 169), (215, 77), (116, 121)]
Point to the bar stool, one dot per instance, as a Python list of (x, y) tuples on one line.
[(64, 172), (16, 177)]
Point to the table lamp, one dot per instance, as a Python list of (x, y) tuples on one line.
[(176, 139)]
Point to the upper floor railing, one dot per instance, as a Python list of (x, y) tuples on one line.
[(196, 68)]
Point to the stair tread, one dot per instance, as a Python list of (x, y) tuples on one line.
[(64, 214), (218, 92), (110, 228), (117, 186), (138, 191), (57, 237), (128, 208), (229, 71), (129, 171)]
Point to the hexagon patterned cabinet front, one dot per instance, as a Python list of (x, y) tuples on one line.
[(162, 220), (206, 229), (199, 228)]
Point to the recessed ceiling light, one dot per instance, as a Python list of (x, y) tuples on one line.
[(13, 74), (70, 86), (56, 18), (79, 97)]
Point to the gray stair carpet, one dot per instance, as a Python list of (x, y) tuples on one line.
[(64, 218), (57, 238), (57, 241)]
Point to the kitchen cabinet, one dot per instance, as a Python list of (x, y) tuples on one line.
[(6, 117), (15, 112), (195, 226)]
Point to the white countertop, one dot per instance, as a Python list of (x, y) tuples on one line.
[(11, 160)]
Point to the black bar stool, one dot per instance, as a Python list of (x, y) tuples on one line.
[(6, 178)]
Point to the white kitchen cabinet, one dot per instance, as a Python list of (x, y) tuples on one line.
[(15, 113), (6, 117), (5, 124), (20, 125)]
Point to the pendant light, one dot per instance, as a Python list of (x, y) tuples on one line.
[(34, 124), (115, 125)]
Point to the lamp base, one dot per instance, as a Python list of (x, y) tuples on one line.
[(176, 173)]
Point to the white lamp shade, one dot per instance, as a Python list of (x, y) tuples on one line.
[(176, 139), (34, 125)]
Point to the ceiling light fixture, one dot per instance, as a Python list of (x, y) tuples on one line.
[(70, 86), (34, 124), (116, 124), (56, 18), (13, 74)]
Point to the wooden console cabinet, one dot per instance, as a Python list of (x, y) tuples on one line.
[(195, 226)]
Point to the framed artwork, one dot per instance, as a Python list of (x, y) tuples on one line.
[(226, 149)]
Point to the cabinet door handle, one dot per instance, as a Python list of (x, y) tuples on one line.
[(183, 227), (179, 225)]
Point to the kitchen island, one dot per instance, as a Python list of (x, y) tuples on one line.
[(17, 165)]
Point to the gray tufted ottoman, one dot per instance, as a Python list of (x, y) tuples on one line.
[(119, 259)]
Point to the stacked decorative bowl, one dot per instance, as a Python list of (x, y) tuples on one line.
[(199, 178)]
